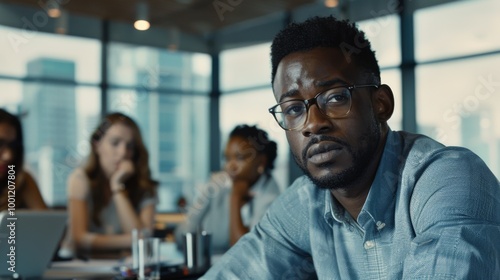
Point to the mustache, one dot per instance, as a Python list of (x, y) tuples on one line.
[(319, 138)]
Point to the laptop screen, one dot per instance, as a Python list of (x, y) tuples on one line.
[(28, 240)]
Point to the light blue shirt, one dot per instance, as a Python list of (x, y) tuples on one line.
[(433, 212)]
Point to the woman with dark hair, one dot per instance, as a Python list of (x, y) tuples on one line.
[(114, 192), (235, 199), (14, 180)]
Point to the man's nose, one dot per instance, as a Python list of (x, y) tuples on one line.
[(316, 122)]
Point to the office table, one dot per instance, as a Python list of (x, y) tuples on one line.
[(99, 269)]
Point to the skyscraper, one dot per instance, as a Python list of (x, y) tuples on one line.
[(50, 126)]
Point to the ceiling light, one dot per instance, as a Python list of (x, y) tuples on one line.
[(142, 15), (142, 25), (331, 3)]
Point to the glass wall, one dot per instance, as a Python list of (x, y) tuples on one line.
[(245, 67), (457, 80), (148, 68), (22, 48), (383, 33), (457, 29)]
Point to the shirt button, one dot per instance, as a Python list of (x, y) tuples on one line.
[(369, 244)]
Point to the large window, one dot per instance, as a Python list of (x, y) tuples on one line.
[(457, 104), (457, 99), (383, 33), (456, 29), (22, 48), (245, 67), (149, 68)]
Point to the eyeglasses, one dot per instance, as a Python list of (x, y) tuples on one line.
[(334, 103)]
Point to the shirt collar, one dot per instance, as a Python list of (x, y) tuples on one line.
[(382, 191), (332, 210), (379, 204)]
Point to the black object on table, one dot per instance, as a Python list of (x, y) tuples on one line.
[(173, 272)]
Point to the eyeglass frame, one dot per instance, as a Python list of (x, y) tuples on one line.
[(311, 101)]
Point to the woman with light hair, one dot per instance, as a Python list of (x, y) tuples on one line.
[(113, 193)]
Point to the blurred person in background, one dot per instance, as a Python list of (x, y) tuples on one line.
[(113, 193), (12, 173), (235, 199)]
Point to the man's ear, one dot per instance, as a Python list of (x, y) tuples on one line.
[(263, 160), (383, 103)]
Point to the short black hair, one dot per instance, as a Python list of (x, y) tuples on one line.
[(259, 140), (326, 32)]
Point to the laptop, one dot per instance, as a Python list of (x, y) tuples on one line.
[(28, 240)]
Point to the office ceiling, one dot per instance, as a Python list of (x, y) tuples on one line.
[(190, 16)]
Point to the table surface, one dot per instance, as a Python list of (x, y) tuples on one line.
[(97, 269), (80, 269)]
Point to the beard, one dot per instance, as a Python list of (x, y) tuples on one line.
[(361, 159)]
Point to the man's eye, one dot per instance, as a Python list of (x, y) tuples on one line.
[(336, 97), (294, 109)]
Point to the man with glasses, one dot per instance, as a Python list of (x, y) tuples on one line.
[(375, 203)]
